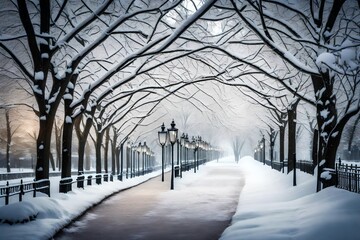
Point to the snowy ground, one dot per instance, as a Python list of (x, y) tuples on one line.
[(56, 212), (269, 207)]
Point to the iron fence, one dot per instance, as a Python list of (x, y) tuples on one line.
[(20, 189), (348, 177)]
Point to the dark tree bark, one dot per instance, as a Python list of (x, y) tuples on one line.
[(114, 157), (87, 156), (326, 114), (68, 128), (67, 149), (82, 136), (283, 123), (272, 137), (52, 161), (330, 127), (81, 145), (292, 136), (98, 146), (106, 150), (314, 150), (237, 146), (8, 140), (58, 136)]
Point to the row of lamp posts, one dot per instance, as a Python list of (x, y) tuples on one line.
[(139, 155), (163, 135), (199, 146)]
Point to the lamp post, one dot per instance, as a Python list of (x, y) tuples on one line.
[(131, 160), (143, 150), (188, 147), (162, 140), (195, 144), (172, 137), (139, 150), (200, 146)]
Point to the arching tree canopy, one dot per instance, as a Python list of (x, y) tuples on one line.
[(101, 59)]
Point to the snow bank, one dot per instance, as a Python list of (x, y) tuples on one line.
[(22, 220), (271, 208)]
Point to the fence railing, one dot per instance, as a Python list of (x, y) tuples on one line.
[(65, 184), (305, 166), (19, 175), (188, 165), (20, 189), (348, 177), (302, 165)]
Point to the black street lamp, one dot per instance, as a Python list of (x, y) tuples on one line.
[(172, 137), (195, 145), (187, 147), (144, 151), (162, 140), (200, 147), (139, 150)]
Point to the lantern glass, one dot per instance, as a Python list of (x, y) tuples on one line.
[(162, 135), (172, 133)]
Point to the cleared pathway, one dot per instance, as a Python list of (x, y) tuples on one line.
[(200, 207)]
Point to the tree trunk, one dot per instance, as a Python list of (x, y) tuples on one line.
[(8, 140), (98, 145), (81, 145), (327, 118), (58, 145), (106, 150), (292, 136), (52, 161), (43, 144), (114, 159), (272, 137), (81, 153), (352, 133), (314, 150), (82, 140), (120, 165), (88, 156), (67, 147), (282, 143)]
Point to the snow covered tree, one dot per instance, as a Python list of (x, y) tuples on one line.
[(237, 145), (318, 38), (51, 42), (9, 137)]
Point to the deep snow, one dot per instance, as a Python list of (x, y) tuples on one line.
[(269, 207)]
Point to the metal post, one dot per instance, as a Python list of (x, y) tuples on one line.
[(181, 157), (194, 160), (162, 163), (143, 163), (172, 167), (121, 161)]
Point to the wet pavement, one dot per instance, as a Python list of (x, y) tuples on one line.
[(199, 211)]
